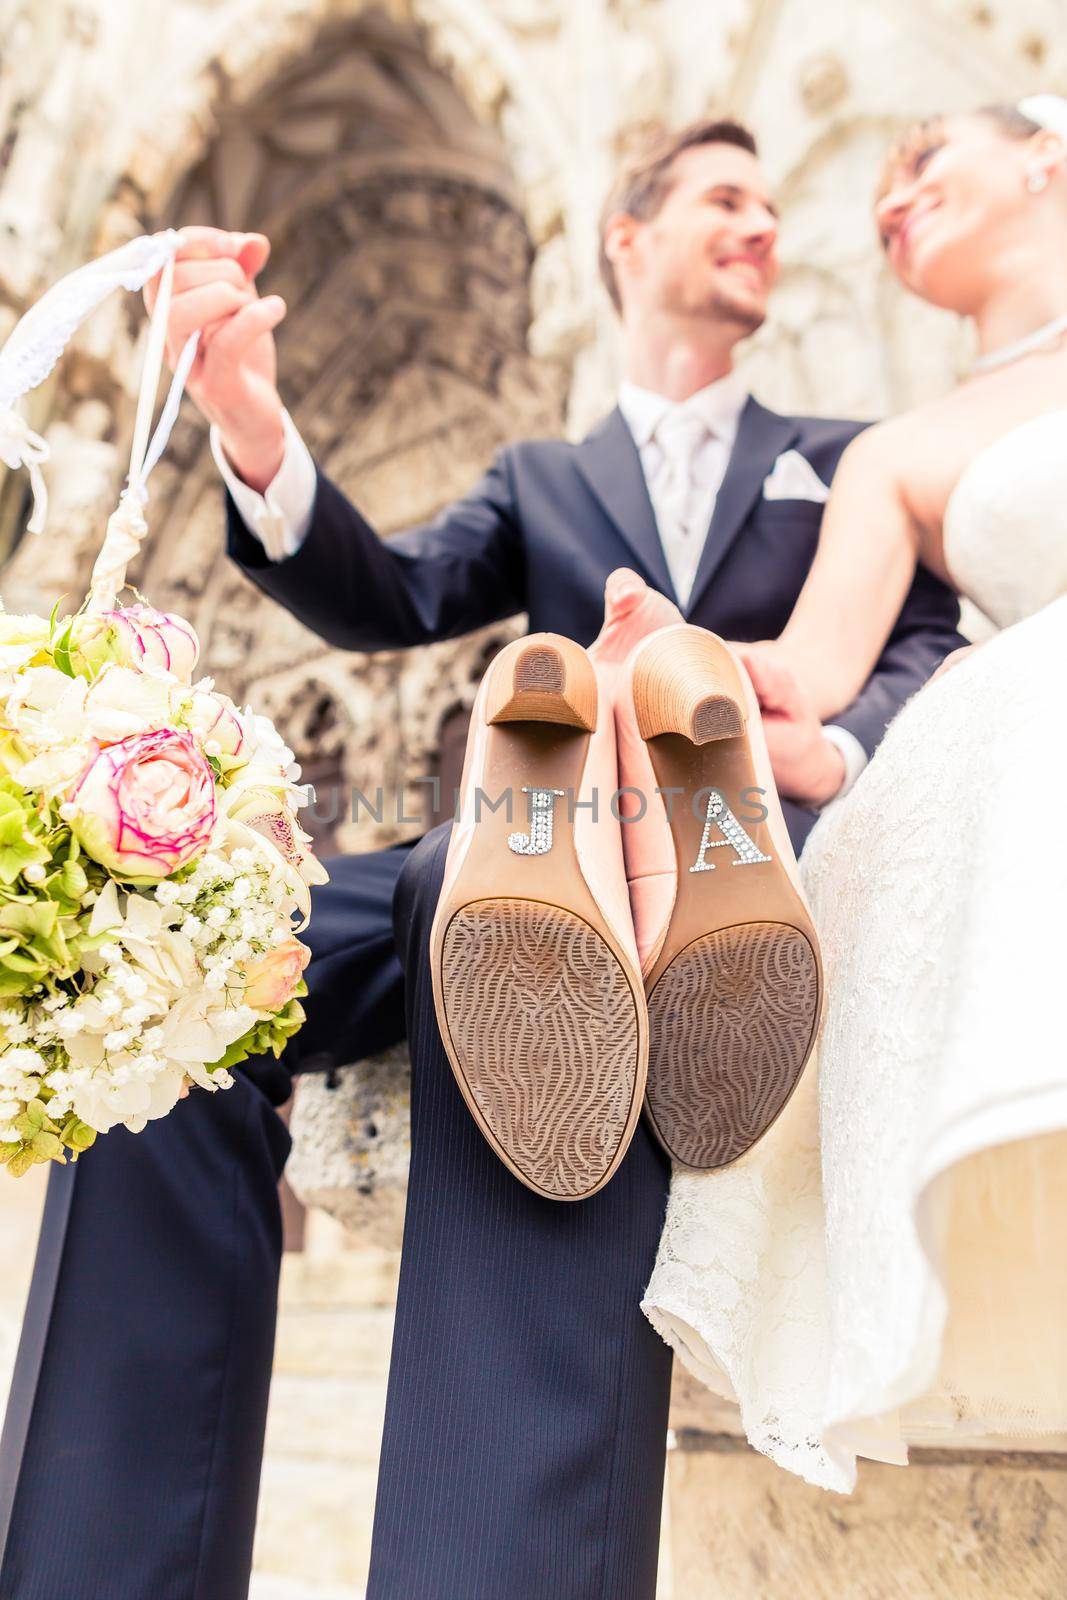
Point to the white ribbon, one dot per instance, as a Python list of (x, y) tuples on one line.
[(21, 447), (30, 354)]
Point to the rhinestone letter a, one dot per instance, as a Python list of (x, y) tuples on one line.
[(720, 816), (538, 842)]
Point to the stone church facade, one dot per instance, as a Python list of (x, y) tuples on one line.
[(430, 174)]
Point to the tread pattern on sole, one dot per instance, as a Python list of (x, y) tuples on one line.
[(544, 1023), (730, 1025), (540, 671), (717, 717)]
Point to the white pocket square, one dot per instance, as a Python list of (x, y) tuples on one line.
[(794, 478)]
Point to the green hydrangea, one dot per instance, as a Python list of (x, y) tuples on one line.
[(44, 882), (42, 1139), (23, 830)]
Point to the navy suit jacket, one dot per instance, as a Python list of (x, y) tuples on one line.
[(546, 524)]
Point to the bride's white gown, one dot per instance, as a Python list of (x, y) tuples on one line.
[(890, 1262)]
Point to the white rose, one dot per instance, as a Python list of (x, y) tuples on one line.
[(123, 701), (21, 637), (46, 707), (53, 774), (39, 689)]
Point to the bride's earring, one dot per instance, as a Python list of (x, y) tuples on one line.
[(1036, 181)]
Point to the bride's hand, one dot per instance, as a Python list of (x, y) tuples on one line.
[(953, 659), (234, 376), (807, 767)]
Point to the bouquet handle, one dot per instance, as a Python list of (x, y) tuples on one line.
[(127, 526)]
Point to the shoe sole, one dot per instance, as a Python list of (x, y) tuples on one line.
[(541, 1014), (735, 992)]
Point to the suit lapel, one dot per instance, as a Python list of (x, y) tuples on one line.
[(762, 435), (610, 463)]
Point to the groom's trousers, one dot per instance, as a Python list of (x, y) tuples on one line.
[(131, 1452), (526, 1420), (525, 1428), (527, 1410)]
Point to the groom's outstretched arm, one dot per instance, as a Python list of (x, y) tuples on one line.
[(356, 590), (361, 592)]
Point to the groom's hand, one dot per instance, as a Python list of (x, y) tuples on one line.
[(234, 377), (808, 767)]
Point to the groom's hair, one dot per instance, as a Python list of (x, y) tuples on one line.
[(645, 182)]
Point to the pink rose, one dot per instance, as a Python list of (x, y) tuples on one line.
[(135, 636), (166, 639), (216, 720), (271, 979), (144, 806)]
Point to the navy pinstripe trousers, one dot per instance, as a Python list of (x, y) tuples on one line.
[(526, 1422), (527, 1409)]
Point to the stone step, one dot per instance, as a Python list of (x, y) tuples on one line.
[(334, 1341), (314, 1526), (21, 1200), (264, 1587), (313, 1535), (364, 1277), (954, 1524), (325, 1419)]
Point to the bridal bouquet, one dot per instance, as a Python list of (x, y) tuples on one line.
[(151, 861)]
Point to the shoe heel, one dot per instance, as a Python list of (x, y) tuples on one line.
[(543, 678), (685, 681)]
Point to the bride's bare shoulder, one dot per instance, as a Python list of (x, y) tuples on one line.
[(882, 447), (907, 427), (894, 450)]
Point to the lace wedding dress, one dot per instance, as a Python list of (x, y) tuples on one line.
[(889, 1264)]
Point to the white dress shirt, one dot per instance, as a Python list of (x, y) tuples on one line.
[(683, 519), (281, 517), (684, 451)]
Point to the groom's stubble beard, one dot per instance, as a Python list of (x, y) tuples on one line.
[(718, 306), (746, 319)]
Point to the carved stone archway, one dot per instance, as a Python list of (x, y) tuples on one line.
[(404, 260)]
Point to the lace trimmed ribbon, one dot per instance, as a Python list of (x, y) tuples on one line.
[(30, 354), (21, 447)]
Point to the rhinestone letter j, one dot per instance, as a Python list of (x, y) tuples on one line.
[(538, 842)]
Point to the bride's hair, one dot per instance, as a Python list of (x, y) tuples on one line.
[(1006, 118)]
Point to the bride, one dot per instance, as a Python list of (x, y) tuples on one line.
[(888, 1264)]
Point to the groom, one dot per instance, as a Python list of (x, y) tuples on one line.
[(525, 1429)]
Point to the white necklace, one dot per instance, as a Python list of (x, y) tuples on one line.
[(1022, 347)]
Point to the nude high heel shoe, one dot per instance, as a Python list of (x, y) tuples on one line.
[(536, 981), (730, 957)]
